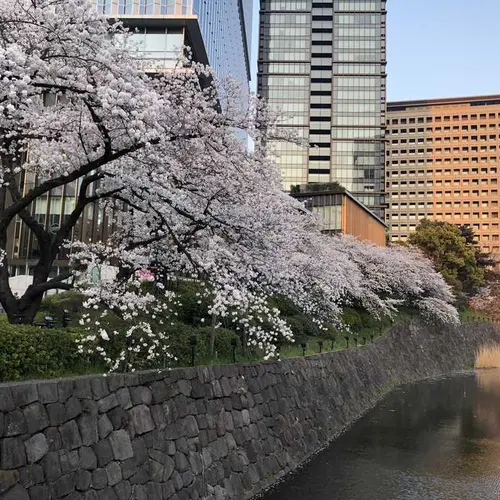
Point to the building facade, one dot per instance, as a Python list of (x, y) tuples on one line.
[(219, 34), (342, 213), (323, 64), (443, 163)]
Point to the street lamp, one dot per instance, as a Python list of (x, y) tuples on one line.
[(234, 343), (192, 342)]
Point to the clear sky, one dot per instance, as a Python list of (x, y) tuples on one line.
[(437, 48), (442, 48)]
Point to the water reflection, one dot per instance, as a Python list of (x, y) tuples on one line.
[(432, 440)]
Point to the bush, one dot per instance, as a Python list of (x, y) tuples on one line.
[(31, 352), (56, 304)]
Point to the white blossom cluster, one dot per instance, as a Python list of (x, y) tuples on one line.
[(189, 199)]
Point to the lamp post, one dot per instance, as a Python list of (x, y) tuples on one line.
[(320, 346), (66, 318), (234, 343), (347, 341), (304, 348), (192, 343)]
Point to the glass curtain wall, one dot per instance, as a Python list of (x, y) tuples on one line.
[(226, 26), (323, 64)]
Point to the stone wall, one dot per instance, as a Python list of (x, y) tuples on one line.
[(222, 432)]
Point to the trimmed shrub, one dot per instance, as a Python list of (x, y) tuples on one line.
[(31, 352)]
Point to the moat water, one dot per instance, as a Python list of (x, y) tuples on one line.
[(437, 439)]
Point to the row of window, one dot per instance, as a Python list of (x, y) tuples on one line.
[(439, 119), (458, 194), (464, 149), (445, 204), (434, 130), (440, 182), (439, 172)]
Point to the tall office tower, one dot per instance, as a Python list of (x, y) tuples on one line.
[(323, 64), (443, 163), (219, 33)]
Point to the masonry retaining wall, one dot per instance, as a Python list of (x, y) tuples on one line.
[(222, 432)]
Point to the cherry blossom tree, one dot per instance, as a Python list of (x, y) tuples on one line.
[(162, 156)]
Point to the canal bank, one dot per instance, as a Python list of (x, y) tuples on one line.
[(222, 432), (436, 439)]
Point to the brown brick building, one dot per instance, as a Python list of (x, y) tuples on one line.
[(443, 163)]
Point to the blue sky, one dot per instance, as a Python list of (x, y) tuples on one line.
[(438, 48)]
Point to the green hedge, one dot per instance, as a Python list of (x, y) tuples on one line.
[(31, 352)]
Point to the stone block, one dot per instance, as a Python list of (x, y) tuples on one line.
[(64, 390), (6, 399), (57, 413), (99, 479), (17, 493), (141, 395), (87, 425), (90, 407), (82, 389), (123, 396), (158, 417), (12, 453), (181, 463), (121, 445), (160, 392), (9, 478), (88, 459), (118, 417), (63, 486), (140, 451), (73, 407), (24, 393), (36, 417), (107, 403), (53, 438), (190, 426), (40, 492), (36, 448), (116, 381), (15, 423), (31, 475), (141, 419), (114, 473), (104, 453), (69, 461), (83, 480), (170, 448), (141, 475), (104, 426), (51, 466), (70, 435), (47, 392), (123, 490), (99, 387)]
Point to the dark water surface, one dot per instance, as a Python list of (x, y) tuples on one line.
[(437, 439)]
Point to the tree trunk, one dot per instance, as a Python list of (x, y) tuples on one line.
[(24, 313)]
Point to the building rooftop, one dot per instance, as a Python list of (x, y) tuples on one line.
[(473, 100)]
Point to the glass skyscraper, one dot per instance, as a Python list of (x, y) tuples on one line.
[(218, 31), (323, 64), (226, 27)]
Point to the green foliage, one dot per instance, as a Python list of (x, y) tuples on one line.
[(31, 352), (453, 252), (56, 304)]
